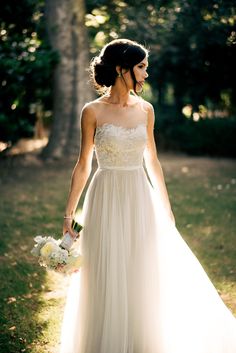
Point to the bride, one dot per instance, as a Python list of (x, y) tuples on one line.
[(141, 289)]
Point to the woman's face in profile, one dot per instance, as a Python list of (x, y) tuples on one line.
[(140, 73)]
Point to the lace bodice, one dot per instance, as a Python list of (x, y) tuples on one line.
[(120, 147)]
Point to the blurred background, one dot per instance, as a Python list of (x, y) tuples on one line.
[(46, 47)]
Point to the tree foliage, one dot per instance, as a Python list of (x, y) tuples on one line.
[(192, 45), (26, 62), (192, 56)]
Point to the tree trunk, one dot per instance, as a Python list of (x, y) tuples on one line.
[(69, 95), (81, 91)]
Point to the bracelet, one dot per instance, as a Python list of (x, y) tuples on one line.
[(68, 217)]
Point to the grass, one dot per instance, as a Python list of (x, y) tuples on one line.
[(33, 198)]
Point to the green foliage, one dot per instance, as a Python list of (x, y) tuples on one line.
[(213, 137), (192, 44), (26, 62), (192, 53)]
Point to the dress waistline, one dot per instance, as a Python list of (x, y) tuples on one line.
[(133, 167)]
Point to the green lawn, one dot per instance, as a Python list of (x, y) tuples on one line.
[(33, 198)]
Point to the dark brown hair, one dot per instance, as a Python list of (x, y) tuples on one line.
[(119, 52)]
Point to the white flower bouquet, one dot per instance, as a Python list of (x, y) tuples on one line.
[(54, 257)]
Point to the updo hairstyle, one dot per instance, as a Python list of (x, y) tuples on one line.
[(119, 52)]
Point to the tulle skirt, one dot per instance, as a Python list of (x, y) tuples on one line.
[(141, 288)]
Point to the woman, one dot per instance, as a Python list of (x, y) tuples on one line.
[(141, 289)]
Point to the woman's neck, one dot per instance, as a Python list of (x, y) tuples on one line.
[(119, 95)]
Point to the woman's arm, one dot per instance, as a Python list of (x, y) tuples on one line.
[(83, 165), (153, 164)]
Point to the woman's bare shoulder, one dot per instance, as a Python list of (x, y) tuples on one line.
[(147, 105), (88, 107), (93, 106), (88, 115)]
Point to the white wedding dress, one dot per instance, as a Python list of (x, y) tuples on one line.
[(141, 289)]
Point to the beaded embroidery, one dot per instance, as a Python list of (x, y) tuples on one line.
[(120, 146)]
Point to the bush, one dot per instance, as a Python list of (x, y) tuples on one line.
[(26, 69), (213, 137)]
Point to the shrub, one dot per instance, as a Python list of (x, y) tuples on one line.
[(213, 137)]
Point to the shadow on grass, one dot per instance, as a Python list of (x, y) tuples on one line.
[(20, 301), (33, 199), (205, 206)]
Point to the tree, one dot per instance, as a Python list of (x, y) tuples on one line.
[(192, 45), (26, 62), (68, 36)]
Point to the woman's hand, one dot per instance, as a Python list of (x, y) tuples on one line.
[(67, 227)]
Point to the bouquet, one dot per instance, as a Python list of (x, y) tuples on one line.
[(53, 256)]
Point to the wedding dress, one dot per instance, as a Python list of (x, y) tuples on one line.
[(141, 288)]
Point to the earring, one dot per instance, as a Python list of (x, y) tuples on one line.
[(119, 74)]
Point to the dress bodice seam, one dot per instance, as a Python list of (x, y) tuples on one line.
[(120, 126)]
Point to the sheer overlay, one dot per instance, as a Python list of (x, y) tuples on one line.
[(141, 289)]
